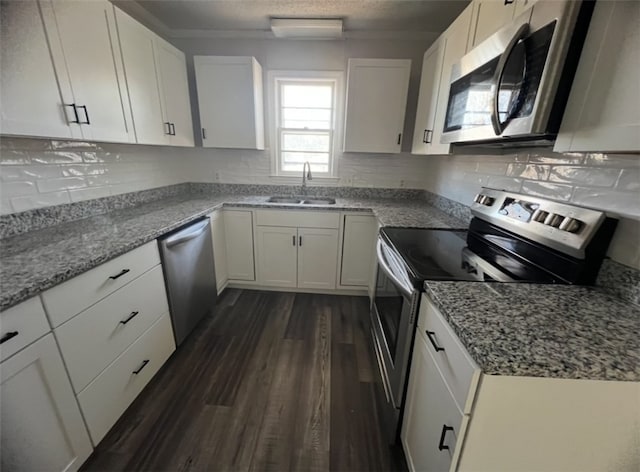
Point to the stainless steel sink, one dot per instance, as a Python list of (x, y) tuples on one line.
[(319, 201), (284, 200)]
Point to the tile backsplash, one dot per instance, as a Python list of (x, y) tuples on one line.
[(36, 173)]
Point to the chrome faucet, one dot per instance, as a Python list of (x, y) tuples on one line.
[(306, 175)]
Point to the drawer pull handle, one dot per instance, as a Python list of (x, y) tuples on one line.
[(431, 335), (114, 277), (9, 335), (131, 316), (442, 445), (139, 369)]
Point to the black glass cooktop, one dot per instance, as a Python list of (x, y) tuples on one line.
[(430, 254)]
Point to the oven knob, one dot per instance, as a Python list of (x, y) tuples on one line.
[(553, 220), (571, 225), (487, 201), (540, 215)]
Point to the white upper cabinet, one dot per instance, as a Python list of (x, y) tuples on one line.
[(84, 32), (602, 113), (136, 44), (488, 17), (455, 46), (376, 104), (156, 77), (176, 105), (230, 99), (428, 97), (31, 99)]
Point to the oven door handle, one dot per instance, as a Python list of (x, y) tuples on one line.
[(523, 30), (406, 289)]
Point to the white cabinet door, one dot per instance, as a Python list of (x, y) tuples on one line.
[(42, 428), (455, 47), (238, 228), (602, 113), (376, 104), (522, 5), (277, 256), (230, 101), (137, 45), (86, 30), (489, 17), (358, 250), (172, 68), (428, 98), (32, 103), (432, 422), (219, 248), (317, 258)]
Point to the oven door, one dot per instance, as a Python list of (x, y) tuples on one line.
[(393, 316)]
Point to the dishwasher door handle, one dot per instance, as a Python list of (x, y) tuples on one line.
[(195, 231)]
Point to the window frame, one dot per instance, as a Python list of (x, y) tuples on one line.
[(275, 78)]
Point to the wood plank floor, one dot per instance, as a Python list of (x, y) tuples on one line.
[(272, 381)]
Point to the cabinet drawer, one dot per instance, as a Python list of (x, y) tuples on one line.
[(458, 369), (109, 395), (94, 338), (21, 325), (73, 296), (299, 219)]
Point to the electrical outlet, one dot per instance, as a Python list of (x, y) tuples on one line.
[(217, 177), (403, 184)]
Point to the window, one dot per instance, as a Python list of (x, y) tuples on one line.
[(304, 122)]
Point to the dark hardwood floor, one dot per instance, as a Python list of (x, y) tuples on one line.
[(271, 382)]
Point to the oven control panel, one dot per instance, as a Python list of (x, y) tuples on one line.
[(565, 227)]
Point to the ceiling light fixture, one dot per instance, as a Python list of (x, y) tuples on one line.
[(306, 28)]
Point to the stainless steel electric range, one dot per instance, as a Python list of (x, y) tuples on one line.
[(511, 238)]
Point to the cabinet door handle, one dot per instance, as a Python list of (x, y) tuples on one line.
[(204, 133), (9, 335), (117, 276), (131, 316), (86, 115), (441, 445), (293, 238), (300, 241), (172, 128), (427, 135), (75, 113), (144, 364), (508, 2), (168, 131), (399, 137), (431, 335)]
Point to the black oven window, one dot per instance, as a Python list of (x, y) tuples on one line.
[(389, 303)]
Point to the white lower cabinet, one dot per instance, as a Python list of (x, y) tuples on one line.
[(109, 395), (238, 227), (297, 249), (42, 428), (456, 418), (317, 258), (219, 248), (432, 422), (358, 250), (297, 257), (277, 256)]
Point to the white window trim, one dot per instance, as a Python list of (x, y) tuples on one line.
[(338, 117)]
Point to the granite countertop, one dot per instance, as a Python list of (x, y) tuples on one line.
[(35, 261), (562, 331)]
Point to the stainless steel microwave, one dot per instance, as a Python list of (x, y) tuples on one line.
[(513, 87)]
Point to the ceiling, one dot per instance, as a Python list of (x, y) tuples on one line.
[(253, 15)]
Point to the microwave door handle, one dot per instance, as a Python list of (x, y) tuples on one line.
[(497, 77), (405, 288)]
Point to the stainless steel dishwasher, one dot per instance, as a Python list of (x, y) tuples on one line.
[(187, 262)]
